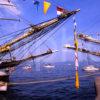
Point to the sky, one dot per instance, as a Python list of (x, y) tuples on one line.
[(88, 22)]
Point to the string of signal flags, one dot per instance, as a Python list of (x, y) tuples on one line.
[(60, 10), (46, 6)]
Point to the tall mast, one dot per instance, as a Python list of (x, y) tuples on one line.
[(76, 55)]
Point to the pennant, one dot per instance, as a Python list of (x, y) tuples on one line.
[(46, 6), (75, 24)]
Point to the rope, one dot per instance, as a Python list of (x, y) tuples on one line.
[(96, 21), (53, 33), (24, 19), (45, 39), (29, 46), (50, 81), (12, 33)]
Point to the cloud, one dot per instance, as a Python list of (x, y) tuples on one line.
[(12, 9)]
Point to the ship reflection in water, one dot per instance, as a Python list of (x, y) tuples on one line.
[(60, 90)]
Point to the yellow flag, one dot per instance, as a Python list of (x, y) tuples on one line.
[(46, 6)]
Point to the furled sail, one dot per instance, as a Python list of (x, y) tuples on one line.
[(84, 50), (88, 38)]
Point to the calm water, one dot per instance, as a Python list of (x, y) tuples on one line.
[(62, 90)]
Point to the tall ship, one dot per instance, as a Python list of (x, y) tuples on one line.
[(29, 35)]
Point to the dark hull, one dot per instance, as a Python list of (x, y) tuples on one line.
[(4, 78), (9, 64)]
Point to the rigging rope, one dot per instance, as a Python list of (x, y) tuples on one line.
[(92, 24), (51, 80), (53, 33), (29, 46), (44, 32), (12, 33), (48, 37), (12, 37), (26, 21)]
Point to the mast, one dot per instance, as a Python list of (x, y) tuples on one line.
[(76, 55)]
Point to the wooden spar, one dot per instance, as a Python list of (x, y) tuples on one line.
[(37, 56), (88, 38), (10, 19), (13, 63), (84, 50), (76, 56), (36, 28)]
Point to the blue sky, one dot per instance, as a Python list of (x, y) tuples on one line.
[(88, 22)]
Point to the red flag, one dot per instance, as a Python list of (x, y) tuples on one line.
[(61, 10)]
